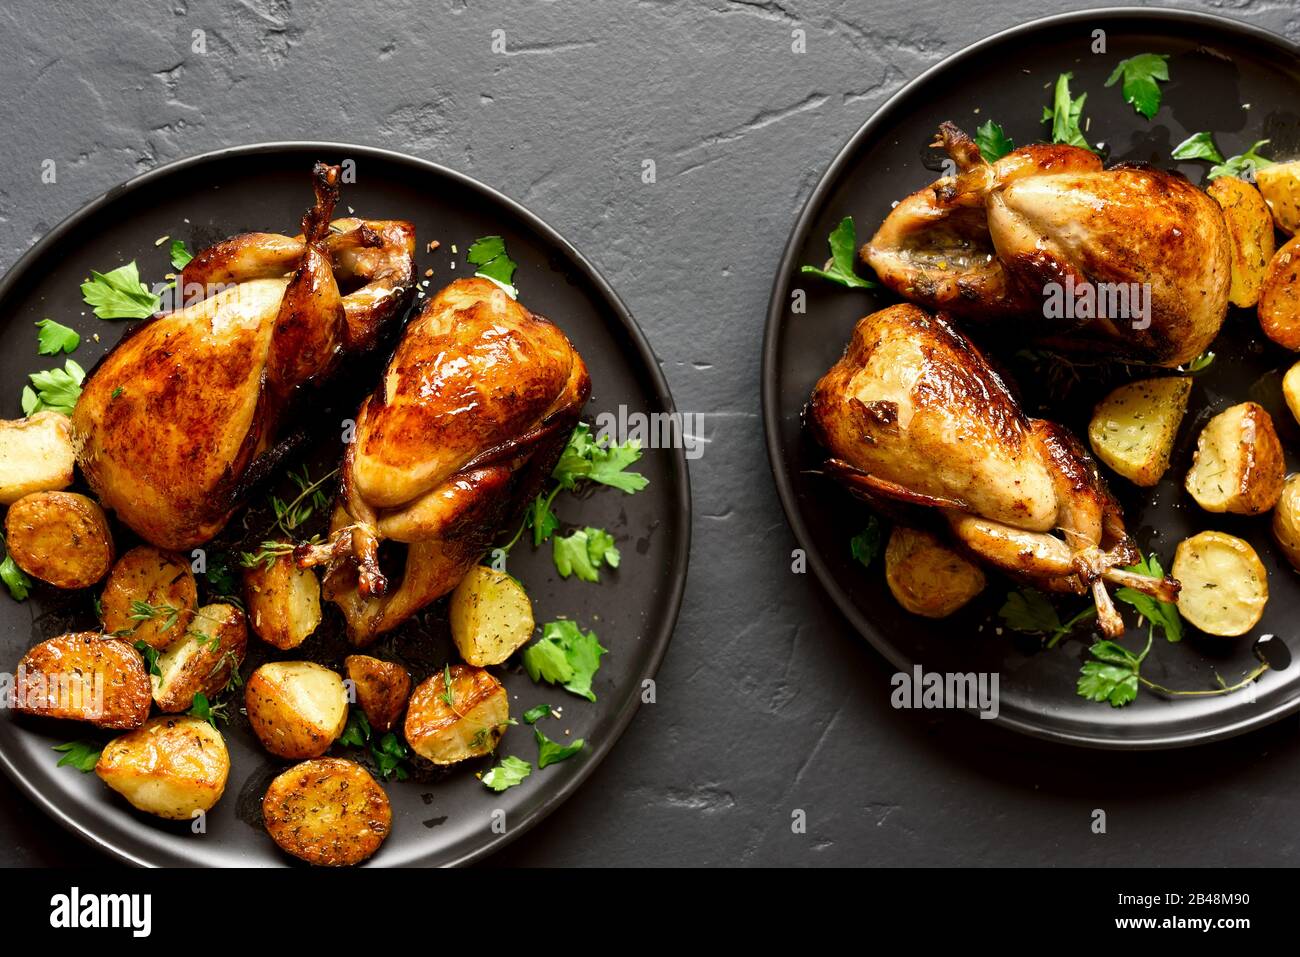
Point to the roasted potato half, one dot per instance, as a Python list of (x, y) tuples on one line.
[(84, 676), (283, 601), (491, 616), (926, 576), (1238, 465), (35, 455), (1291, 390), (1280, 186), (467, 723), (1225, 586), (382, 689), (214, 645), (60, 537), (1134, 427), (1286, 520), (1250, 227), (328, 812), (172, 766), (297, 708), (164, 582), (1279, 301)]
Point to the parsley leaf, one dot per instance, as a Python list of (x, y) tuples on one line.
[(583, 552), (389, 753), (220, 577), (1111, 675), (843, 241), (1201, 362), (507, 774), (565, 655), (14, 578), (993, 142), (1065, 113), (489, 254), (533, 715), (119, 294), (1159, 614), (202, 708), (1142, 77), (541, 519), (1243, 166), (1198, 146), (55, 337), (584, 458), (551, 752), (82, 755), (180, 255), (150, 655), (1029, 611), (357, 731), (54, 389), (865, 545)]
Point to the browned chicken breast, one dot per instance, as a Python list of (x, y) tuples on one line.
[(472, 413), (998, 241), (913, 413), (177, 418)]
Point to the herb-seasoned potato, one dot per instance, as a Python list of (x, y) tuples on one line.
[(1279, 302), (171, 767), (1286, 520), (84, 676), (1225, 586), (1133, 429), (283, 601), (297, 708), (60, 537), (926, 576), (1250, 227), (1238, 465), (491, 616), (468, 722), (164, 582), (213, 646), (1291, 390), (35, 455), (1280, 186), (329, 812), (382, 689)]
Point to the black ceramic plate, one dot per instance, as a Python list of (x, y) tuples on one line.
[(445, 819), (1227, 77)]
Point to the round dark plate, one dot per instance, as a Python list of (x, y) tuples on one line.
[(439, 819), (1216, 67)]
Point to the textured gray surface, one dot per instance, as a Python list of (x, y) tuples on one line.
[(767, 702)]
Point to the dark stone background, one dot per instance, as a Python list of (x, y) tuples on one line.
[(767, 702)]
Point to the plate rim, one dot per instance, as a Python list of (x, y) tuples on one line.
[(660, 638), (775, 319)]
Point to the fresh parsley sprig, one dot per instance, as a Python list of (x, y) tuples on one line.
[(1142, 76), (489, 255), (1028, 611), (55, 389), (843, 242), (510, 772), (14, 578), (119, 294), (1065, 114), (993, 143), (565, 655), (1158, 614), (54, 337), (82, 755), (1202, 146)]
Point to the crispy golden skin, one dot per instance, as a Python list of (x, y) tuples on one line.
[(84, 676), (448, 725), (329, 812), (473, 410), (983, 245), (177, 416), (914, 413)]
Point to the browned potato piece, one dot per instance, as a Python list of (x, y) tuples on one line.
[(467, 727), (1134, 427), (927, 577), (329, 812), (60, 537), (297, 708), (1238, 466), (1286, 520), (382, 689), (214, 644), (283, 601), (1280, 186), (172, 766), (84, 676), (1291, 390), (161, 580), (1250, 227), (1279, 302), (35, 455), (1225, 585)]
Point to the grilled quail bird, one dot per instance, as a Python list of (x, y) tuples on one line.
[(984, 245), (914, 413), (178, 418)]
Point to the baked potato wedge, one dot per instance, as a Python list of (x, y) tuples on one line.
[(1291, 390), (382, 688), (1238, 466), (297, 708), (329, 812), (1279, 184), (60, 537), (1286, 520), (161, 580), (213, 646), (172, 766), (491, 616), (1225, 585), (84, 676), (1134, 427), (466, 723), (1279, 300), (283, 601), (35, 455), (1250, 227), (926, 576)]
